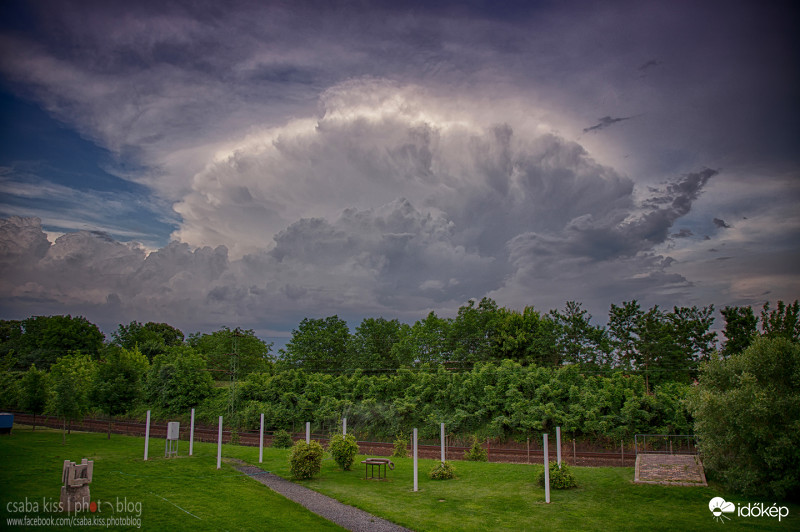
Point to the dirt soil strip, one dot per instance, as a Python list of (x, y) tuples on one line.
[(343, 515), (674, 470)]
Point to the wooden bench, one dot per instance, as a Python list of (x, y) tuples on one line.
[(372, 462)]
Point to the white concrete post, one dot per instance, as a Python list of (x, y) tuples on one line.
[(147, 435), (191, 435), (344, 427), (261, 441), (442, 431), (219, 445), (415, 459), (308, 432), (546, 472), (558, 446)]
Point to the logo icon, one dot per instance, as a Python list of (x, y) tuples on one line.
[(719, 507)]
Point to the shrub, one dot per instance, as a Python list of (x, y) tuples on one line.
[(305, 460), (400, 447), (746, 411), (343, 450), (282, 440), (442, 471), (476, 452), (561, 478)]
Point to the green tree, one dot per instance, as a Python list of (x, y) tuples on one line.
[(578, 341), (10, 338), (71, 379), (371, 345), (747, 418), (118, 382), (150, 339), (318, 345), (741, 327), (470, 333), (425, 342), (252, 354), (783, 322), (623, 324), (46, 338), (35, 388), (178, 380)]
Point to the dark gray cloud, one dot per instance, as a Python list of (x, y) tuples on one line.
[(721, 223), (605, 122)]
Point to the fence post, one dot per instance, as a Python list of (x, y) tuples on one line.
[(219, 445), (147, 435), (191, 435), (344, 427), (622, 450), (558, 446), (529, 449), (546, 471), (261, 441), (442, 431), (415, 459)]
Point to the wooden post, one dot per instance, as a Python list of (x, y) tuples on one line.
[(529, 449), (574, 458), (622, 450)]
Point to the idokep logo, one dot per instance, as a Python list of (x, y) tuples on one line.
[(719, 507)]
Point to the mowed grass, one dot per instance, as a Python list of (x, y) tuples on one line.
[(184, 493), (494, 496), (483, 497)]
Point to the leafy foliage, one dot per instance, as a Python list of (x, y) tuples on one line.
[(35, 392), (282, 440), (177, 380), (253, 354), (305, 459), (46, 338), (400, 447), (747, 418), (476, 453), (72, 378), (318, 344), (150, 339), (442, 471), (344, 450), (561, 478), (118, 383)]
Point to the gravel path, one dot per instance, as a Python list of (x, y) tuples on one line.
[(343, 515)]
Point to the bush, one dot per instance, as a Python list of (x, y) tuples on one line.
[(746, 412), (476, 452), (343, 450), (442, 471), (561, 478), (305, 460), (400, 447), (282, 440)]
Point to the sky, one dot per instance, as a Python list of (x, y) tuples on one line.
[(253, 163)]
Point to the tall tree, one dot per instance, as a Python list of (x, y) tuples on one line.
[(425, 342), (579, 342), (46, 338), (118, 382), (35, 390), (150, 339), (318, 345), (782, 322), (72, 378), (471, 332), (741, 328), (623, 326), (178, 380), (251, 353), (371, 344)]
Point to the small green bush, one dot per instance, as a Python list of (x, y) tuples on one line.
[(344, 450), (235, 438), (282, 440), (561, 478), (442, 471), (305, 460), (400, 447), (476, 452)]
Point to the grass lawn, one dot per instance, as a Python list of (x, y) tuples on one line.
[(190, 493), (507, 497), (177, 494)]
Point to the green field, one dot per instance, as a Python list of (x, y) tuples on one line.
[(190, 493)]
